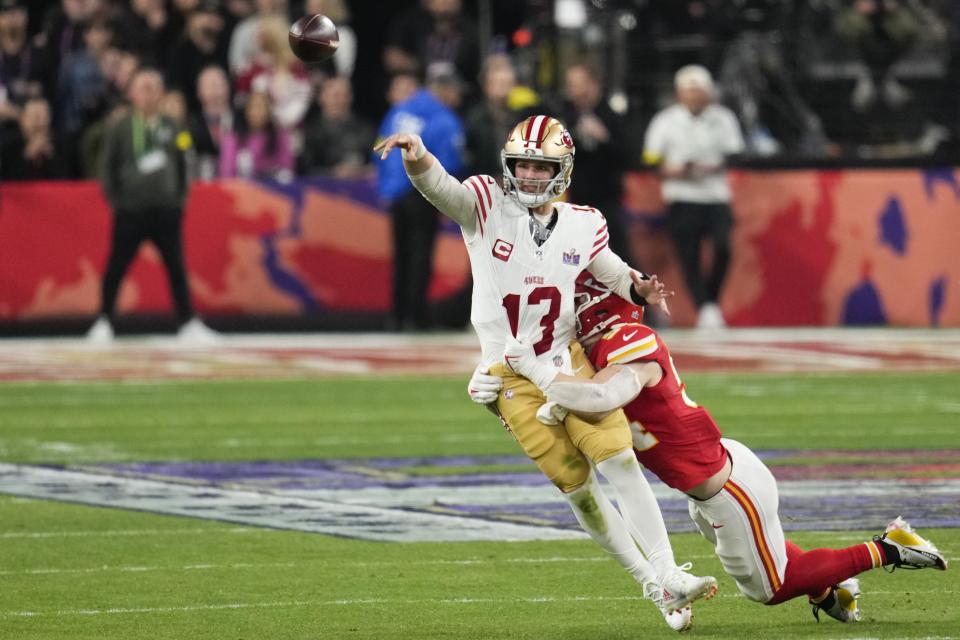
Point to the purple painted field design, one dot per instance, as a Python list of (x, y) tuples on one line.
[(819, 490)]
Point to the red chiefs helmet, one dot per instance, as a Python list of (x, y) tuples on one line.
[(598, 308)]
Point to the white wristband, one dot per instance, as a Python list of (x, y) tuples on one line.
[(421, 149)]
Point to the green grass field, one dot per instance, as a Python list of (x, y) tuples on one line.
[(71, 571)]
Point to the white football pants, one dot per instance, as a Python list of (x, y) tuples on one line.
[(742, 523)]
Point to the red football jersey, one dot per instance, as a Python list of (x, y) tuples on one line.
[(674, 437)]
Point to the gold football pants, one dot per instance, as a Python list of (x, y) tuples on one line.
[(563, 452)]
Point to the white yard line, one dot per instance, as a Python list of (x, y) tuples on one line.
[(358, 602), (125, 532), (235, 566), (325, 563)]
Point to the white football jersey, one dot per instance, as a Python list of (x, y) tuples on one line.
[(522, 288)]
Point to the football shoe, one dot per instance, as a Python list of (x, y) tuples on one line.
[(841, 603), (915, 552), (678, 619), (681, 588)]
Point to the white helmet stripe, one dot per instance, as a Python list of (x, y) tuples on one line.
[(539, 128), (534, 131)]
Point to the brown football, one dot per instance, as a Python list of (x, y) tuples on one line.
[(314, 38)]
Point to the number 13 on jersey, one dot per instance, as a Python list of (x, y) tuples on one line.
[(512, 303)]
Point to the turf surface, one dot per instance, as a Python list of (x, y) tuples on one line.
[(81, 572)]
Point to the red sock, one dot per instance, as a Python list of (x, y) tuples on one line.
[(812, 572)]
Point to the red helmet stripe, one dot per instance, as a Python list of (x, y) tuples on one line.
[(541, 130), (529, 128)]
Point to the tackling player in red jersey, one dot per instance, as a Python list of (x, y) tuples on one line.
[(732, 495)]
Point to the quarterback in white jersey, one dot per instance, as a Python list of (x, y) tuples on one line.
[(526, 251), (533, 282)]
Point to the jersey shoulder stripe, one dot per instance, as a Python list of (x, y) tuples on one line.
[(599, 245), (487, 190), (633, 342), (601, 238), (601, 241), (486, 194), (481, 204)]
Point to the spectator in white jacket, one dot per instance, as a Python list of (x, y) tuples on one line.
[(690, 142)]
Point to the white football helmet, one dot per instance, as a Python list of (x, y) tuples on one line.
[(538, 138)]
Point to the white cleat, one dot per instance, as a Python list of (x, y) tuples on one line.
[(915, 552), (678, 619), (101, 332), (194, 332), (844, 605), (681, 588)]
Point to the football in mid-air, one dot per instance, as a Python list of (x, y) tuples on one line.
[(314, 38)]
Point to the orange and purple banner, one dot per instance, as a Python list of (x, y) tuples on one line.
[(251, 249), (810, 248), (815, 247)]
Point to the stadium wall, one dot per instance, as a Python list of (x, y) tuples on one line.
[(811, 247)]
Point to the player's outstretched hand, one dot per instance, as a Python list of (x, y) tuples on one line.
[(652, 290), (409, 144), (484, 388)]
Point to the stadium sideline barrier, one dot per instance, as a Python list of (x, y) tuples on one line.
[(811, 247)]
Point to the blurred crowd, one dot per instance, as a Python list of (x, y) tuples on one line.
[(230, 81), (807, 79)]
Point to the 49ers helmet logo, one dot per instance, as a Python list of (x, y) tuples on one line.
[(566, 139)]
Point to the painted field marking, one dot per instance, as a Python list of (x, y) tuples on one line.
[(124, 532), (237, 566), (267, 510), (361, 602), (357, 500), (324, 563)]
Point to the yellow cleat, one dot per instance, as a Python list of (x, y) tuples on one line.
[(915, 552), (844, 605)]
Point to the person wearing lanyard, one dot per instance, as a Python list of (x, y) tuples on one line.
[(144, 179)]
